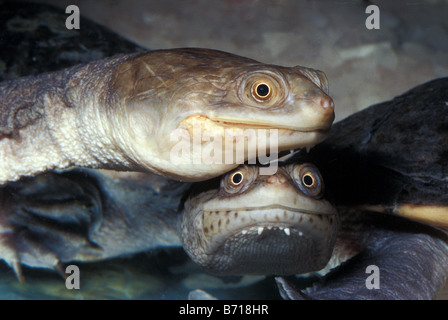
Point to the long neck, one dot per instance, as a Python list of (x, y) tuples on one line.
[(57, 120)]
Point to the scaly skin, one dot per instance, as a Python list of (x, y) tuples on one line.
[(118, 113)]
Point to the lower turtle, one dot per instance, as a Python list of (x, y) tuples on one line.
[(242, 223)]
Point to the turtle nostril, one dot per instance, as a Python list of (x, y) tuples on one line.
[(272, 179), (277, 179), (282, 179), (324, 106), (327, 103)]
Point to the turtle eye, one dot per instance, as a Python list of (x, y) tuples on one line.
[(236, 178), (309, 180), (263, 88), (261, 91), (239, 180)]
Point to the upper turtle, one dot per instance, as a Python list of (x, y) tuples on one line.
[(164, 111)]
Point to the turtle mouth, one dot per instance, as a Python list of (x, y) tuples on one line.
[(219, 225), (260, 138), (222, 223), (269, 240), (247, 124), (210, 123)]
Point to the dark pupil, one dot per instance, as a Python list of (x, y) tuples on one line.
[(237, 177), (262, 90), (308, 181)]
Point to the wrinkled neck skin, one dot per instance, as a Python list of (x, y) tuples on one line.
[(121, 113), (58, 120)]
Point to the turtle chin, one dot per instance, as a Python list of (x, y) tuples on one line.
[(273, 249), (266, 240)]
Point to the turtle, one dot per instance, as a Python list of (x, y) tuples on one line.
[(133, 112), (91, 215), (251, 223), (87, 223)]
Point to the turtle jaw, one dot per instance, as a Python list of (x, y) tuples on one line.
[(279, 137), (199, 148), (276, 240)]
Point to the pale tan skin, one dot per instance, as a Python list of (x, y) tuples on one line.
[(118, 113), (259, 224)]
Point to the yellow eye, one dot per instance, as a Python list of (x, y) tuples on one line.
[(236, 178), (309, 180), (261, 90), (239, 180)]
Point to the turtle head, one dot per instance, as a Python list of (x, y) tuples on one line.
[(261, 224), (186, 111)]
